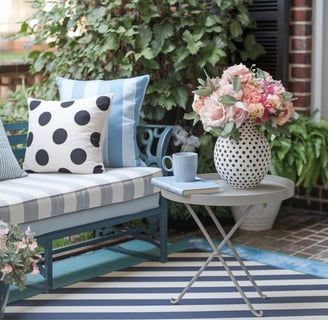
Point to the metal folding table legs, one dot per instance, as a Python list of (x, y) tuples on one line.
[(216, 254)]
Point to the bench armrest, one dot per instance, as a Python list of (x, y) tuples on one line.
[(153, 141)]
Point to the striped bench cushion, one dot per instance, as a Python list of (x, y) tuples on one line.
[(40, 196)]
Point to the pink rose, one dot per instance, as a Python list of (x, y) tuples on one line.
[(235, 70), (227, 89), (274, 102), (213, 114), (238, 113), (198, 103)]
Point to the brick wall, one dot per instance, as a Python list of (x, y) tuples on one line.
[(300, 54), (300, 69)]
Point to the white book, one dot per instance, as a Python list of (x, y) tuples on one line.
[(186, 188)]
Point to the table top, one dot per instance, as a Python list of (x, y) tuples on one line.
[(271, 189)]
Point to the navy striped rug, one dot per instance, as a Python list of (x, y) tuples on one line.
[(144, 291)]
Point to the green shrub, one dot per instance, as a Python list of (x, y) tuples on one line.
[(172, 40)]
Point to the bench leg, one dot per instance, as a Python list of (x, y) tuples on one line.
[(46, 270)]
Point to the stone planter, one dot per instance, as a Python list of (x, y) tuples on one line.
[(261, 217)]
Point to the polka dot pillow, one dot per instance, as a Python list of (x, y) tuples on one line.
[(67, 136)]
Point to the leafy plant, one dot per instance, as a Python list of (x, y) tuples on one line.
[(172, 40), (17, 255), (302, 156)]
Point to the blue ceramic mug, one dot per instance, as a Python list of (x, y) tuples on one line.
[(183, 164)]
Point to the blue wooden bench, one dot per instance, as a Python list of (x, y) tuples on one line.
[(109, 221)]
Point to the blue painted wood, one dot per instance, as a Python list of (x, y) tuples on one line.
[(153, 142)]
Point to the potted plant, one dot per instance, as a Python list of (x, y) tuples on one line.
[(229, 107), (18, 257), (302, 156)]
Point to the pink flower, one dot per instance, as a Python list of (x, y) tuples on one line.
[(238, 113), (3, 229), (236, 70), (28, 231), (20, 245), (199, 102), (33, 245), (5, 270), (274, 102), (251, 94), (242, 94), (213, 114), (227, 89)]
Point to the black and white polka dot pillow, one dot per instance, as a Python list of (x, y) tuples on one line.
[(67, 136)]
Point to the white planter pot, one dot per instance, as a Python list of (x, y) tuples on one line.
[(261, 217)]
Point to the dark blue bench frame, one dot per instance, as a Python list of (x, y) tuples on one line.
[(153, 142)]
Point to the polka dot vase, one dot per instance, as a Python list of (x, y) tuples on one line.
[(243, 164)]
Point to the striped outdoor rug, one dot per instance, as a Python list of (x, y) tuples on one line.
[(144, 292)]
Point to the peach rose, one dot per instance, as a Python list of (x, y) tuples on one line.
[(286, 114), (251, 94), (256, 110)]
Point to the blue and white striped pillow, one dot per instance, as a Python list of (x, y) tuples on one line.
[(9, 167), (120, 147)]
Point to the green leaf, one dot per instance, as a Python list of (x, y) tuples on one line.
[(228, 100), (235, 29), (203, 91), (287, 96), (228, 129), (236, 84), (193, 43), (190, 115), (260, 73), (103, 28)]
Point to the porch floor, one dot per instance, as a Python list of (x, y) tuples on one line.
[(296, 233)]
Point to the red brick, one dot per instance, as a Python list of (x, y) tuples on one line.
[(301, 15), (304, 58), (301, 72), (297, 86), (301, 30), (302, 101), (301, 44), (301, 3)]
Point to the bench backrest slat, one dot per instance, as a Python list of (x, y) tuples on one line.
[(17, 133), (152, 141)]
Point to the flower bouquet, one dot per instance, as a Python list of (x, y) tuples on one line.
[(224, 104), (18, 255)]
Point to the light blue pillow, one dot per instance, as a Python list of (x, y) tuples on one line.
[(120, 146)]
